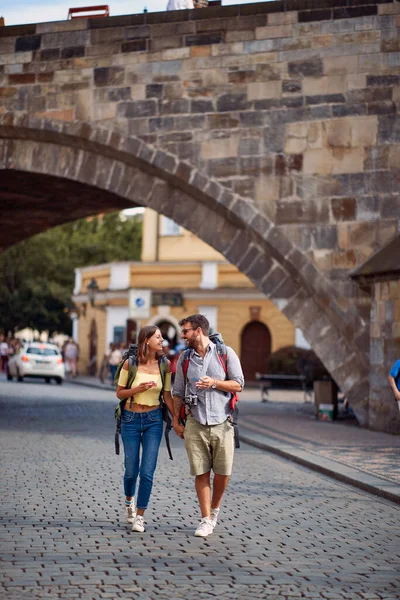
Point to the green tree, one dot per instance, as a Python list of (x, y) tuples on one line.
[(37, 275)]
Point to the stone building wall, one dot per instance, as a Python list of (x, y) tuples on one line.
[(385, 350)]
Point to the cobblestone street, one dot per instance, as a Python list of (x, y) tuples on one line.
[(285, 531)]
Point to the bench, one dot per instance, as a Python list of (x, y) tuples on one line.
[(268, 382)]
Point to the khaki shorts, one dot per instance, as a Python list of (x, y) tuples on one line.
[(209, 447)]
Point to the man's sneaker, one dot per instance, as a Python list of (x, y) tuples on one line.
[(130, 512), (205, 528), (138, 524), (214, 516)]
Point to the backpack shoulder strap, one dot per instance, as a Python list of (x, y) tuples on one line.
[(132, 370), (185, 362), (222, 355), (163, 366)]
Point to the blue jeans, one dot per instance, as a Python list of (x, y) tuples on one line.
[(140, 429)]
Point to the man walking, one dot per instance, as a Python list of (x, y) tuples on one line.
[(206, 389)]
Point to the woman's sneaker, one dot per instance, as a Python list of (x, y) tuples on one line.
[(205, 528), (214, 516), (138, 524), (130, 512)]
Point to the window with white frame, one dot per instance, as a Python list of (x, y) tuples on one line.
[(169, 227)]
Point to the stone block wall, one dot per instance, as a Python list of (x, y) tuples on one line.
[(385, 350), (290, 106)]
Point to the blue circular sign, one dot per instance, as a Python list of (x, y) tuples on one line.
[(139, 302)]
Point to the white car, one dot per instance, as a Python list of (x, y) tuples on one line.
[(37, 359)]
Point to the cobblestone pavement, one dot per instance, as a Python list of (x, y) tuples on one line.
[(285, 532)]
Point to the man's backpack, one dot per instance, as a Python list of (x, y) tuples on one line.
[(216, 338), (131, 357)]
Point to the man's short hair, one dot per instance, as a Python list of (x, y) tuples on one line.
[(197, 321)]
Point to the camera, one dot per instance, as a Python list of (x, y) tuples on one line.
[(191, 400)]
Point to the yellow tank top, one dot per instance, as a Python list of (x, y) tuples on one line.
[(149, 397)]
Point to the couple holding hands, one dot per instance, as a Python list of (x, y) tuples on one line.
[(205, 389)]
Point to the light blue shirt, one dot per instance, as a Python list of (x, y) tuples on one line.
[(213, 406)]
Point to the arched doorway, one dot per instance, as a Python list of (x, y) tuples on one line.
[(255, 349)]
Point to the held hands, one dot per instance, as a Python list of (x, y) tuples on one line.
[(178, 428), (205, 382)]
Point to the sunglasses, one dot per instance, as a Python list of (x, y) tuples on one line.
[(184, 331)]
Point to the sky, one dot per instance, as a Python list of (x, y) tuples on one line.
[(18, 12)]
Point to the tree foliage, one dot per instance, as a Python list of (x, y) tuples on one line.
[(37, 275)]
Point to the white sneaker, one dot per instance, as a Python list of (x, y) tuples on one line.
[(138, 524), (130, 512), (205, 528), (214, 516)]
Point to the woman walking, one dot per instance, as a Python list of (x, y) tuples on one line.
[(141, 421)]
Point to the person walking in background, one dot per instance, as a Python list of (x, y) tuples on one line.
[(206, 390), (394, 381), (3, 353), (141, 420), (105, 366), (114, 360), (71, 355)]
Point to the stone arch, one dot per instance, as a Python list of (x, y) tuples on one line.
[(128, 168)]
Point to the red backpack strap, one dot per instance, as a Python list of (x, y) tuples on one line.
[(223, 359), (185, 367)]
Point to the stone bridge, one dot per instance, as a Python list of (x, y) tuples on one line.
[(269, 130)]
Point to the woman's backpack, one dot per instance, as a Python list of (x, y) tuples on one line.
[(131, 356)]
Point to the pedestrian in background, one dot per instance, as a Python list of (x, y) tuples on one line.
[(71, 355), (394, 381), (114, 360), (105, 371), (142, 422), (3, 353), (209, 432)]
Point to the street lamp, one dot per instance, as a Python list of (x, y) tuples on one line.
[(92, 290)]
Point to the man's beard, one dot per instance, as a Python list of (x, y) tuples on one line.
[(193, 342)]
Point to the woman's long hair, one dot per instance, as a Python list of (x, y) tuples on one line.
[(144, 335)]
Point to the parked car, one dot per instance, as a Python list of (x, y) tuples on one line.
[(37, 359)]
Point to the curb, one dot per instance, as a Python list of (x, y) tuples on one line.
[(325, 470)]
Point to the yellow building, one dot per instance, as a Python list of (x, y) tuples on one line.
[(185, 276)]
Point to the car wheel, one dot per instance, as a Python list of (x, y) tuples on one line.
[(47, 379), (59, 380)]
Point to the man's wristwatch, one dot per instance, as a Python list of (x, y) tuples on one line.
[(214, 385)]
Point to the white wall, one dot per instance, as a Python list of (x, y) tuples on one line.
[(209, 278), (78, 281), (119, 276), (116, 317), (211, 312)]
